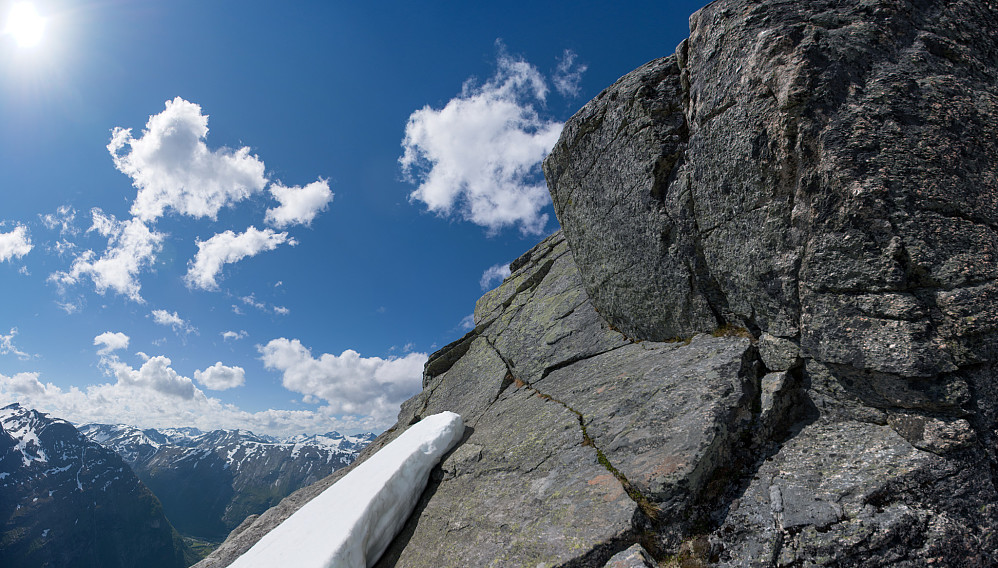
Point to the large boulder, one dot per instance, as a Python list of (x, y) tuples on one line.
[(824, 174), (821, 171)]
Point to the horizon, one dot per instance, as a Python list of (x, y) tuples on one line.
[(242, 216)]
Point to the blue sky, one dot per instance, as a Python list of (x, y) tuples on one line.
[(267, 215)]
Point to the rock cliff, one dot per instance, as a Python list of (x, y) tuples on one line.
[(768, 334)]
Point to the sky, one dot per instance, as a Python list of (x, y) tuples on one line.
[(268, 215)]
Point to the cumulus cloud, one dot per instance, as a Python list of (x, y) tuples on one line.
[(480, 155), (349, 383), (226, 248), (155, 374), (16, 243), (233, 335), (568, 75), (494, 275), (172, 167), (299, 205), (111, 341), (219, 377), (163, 317), (149, 408), (132, 246), (7, 345)]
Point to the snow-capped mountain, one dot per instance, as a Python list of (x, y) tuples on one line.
[(209, 482), (67, 501)]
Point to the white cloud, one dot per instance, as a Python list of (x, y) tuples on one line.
[(494, 275), (299, 205), (132, 246), (468, 322), (163, 317), (226, 248), (252, 301), (111, 341), (69, 307), (349, 383), (24, 383), (481, 153), (281, 310), (568, 75), (172, 167), (7, 345), (219, 377), (233, 335), (15, 243), (63, 247), (63, 219), (149, 408), (155, 374)]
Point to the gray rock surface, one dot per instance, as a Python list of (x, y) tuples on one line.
[(769, 334), (634, 557), (580, 439), (812, 170)]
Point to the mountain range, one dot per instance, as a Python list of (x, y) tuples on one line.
[(68, 501), (116, 495), (209, 482)]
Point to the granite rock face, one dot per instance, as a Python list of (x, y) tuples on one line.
[(817, 171), (581, 441), (824, 174), (768, 335)]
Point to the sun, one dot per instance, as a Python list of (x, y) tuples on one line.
[(25, 24)]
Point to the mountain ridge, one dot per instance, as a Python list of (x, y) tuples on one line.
[(51, 477), (209, 482)]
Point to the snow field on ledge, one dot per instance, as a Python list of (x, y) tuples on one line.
[(350, 524)]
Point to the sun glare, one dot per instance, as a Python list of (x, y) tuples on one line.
[(25, 24)]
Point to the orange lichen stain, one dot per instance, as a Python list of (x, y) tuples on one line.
[(668, 466), (608, 485)]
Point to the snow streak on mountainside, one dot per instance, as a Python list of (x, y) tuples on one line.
[(210, 481), (66, 501)]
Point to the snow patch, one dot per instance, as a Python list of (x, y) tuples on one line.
[(371, 503)]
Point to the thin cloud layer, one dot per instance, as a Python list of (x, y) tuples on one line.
[(172, 167), (349, 383), (7, 345), (480, 155), (15, 243), (494, 275), (233, 335), (568, 75), (174, 321), (220, 377), (111, 341), (299, 205), (226, 248), (62, 220)]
